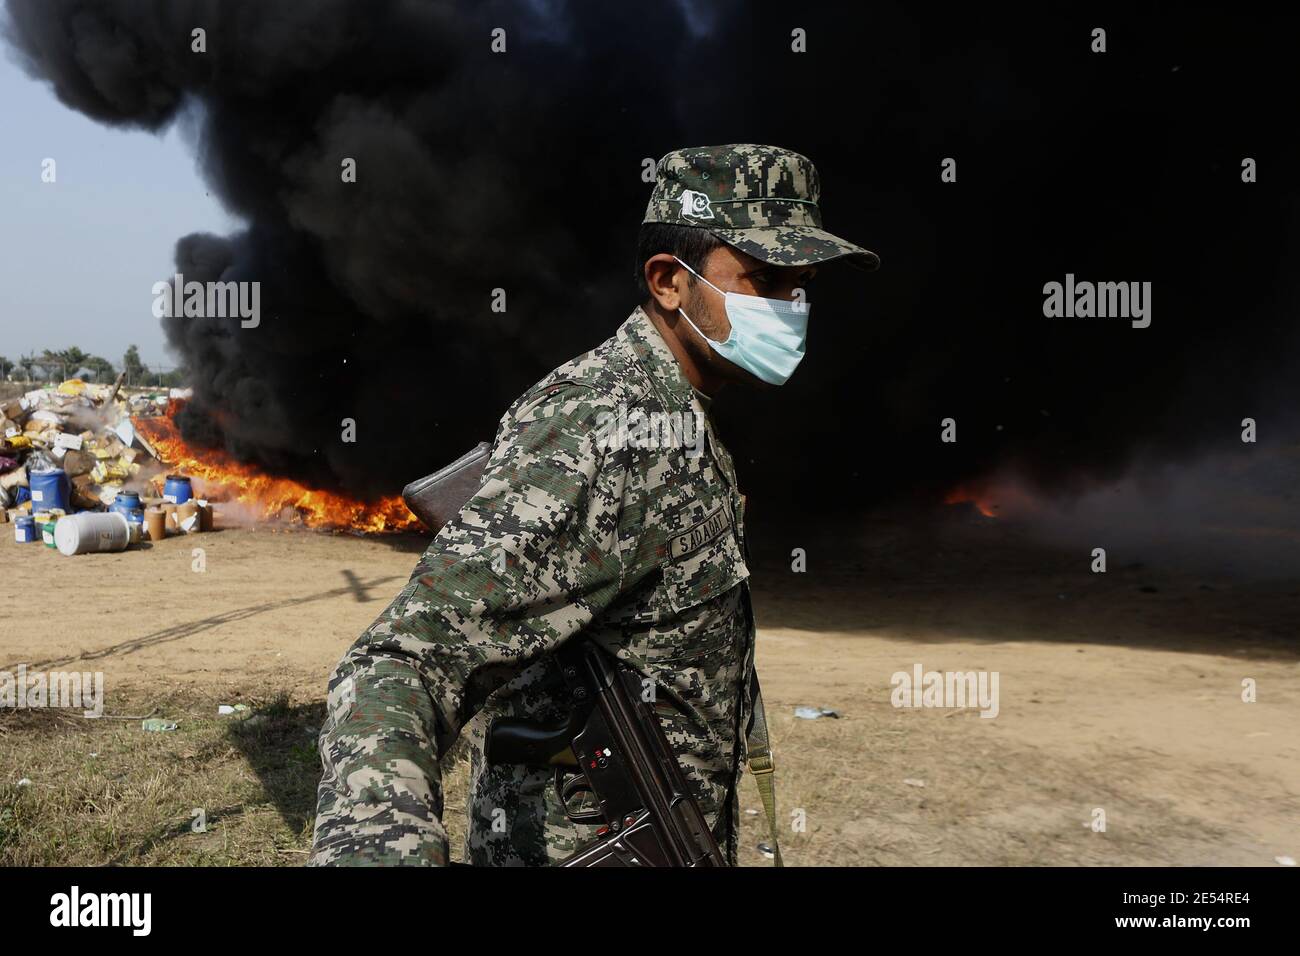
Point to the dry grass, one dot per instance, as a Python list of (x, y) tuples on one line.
[(107, 792)]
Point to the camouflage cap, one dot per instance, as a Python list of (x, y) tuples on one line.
[(760, 199)]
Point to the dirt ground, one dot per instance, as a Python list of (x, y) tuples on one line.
[(1120, 693)]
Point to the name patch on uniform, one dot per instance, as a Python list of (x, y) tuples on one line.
[(698, 535)]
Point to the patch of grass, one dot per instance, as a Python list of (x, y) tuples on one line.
[(107, 792)]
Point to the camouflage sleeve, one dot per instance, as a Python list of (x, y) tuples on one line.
[(528, 562)]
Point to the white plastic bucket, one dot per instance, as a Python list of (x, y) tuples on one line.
[(92, 531)]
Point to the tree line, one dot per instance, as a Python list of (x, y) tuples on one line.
[(72, 362)]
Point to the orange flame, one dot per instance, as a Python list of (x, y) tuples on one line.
[(963, 494), (219, 477)]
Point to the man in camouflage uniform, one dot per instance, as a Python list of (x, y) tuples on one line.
[(639, 545)]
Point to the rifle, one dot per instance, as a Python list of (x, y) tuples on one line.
[(612, 748)]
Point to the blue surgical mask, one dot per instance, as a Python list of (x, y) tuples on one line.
[(767, 335)]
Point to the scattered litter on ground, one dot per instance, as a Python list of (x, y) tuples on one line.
[(913, 782), (158, 724), (767, 851), (1285, 860), (815, 713)]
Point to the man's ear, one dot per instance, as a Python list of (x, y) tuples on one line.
[(665, 280)]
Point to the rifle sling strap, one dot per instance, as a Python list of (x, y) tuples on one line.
[(759, 749)]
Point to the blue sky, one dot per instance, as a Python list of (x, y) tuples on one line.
[(79, 257)]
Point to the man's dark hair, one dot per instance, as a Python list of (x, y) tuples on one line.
[(691, 244)]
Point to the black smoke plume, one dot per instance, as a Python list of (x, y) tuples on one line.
[(522, 171)]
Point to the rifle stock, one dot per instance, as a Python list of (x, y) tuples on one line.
[(435, 499)]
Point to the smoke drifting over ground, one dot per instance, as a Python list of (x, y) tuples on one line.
[(522, 171), (1233, 513)]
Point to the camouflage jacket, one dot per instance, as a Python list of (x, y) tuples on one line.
[(639, 544)]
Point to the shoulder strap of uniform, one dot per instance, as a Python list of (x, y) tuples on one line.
[(546, 391), (762, 766)]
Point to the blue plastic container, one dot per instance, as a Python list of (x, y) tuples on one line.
[(127, 498), (24, 529), (49, 490), (177, 489), (127, 503)]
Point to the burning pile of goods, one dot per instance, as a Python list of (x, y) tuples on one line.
[(90, 468), (257, 496), (76, 474)]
